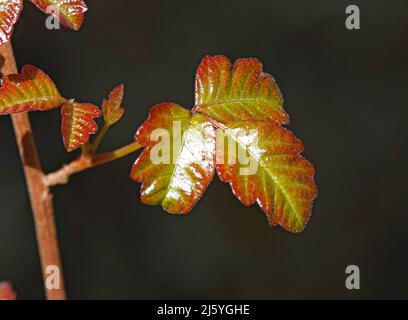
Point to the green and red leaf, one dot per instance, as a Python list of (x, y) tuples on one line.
[(71, 13), (178, 179), (245, 105), (241, 93), (282, 183), (77, 123), (31, 90), (112, 107), (9, 13)]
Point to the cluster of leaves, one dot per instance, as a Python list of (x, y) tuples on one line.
[(228, 98), (33, 90), (69, 12)]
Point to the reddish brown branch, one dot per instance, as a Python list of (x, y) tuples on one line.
[(40, 196), (84, 162)]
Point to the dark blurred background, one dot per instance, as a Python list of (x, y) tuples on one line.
[(346, 92)]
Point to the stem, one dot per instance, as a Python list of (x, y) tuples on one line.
[(94, 146), (39, 192), (62, 175)]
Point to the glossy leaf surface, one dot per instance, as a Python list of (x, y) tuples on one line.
[(9, 13), (258, 157), (70, 12), (78, 123), (276, 177), (243, 93), (31, 90), (112, 107), (178, 179)]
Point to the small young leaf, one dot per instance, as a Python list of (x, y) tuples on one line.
[(111, 108), (174, 174), (245, 93), (32, 90), (6, 291), (70, 12), (9, 13), (78, 123)]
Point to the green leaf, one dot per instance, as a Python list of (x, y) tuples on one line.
[(242, 107), (32, 90), (245, 104), (243, 93), (275, 175), (177, 163)]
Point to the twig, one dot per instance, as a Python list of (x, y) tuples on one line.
[(84, 162), (101, 134), (40, 195)]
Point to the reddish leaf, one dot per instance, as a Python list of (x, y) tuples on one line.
[(70, 12), (246, 99), (9, 13), (245, 93), (78, 123), (111, 108), (260, 159), (6, 291), (180, 179), (32, 90), (276, 177)]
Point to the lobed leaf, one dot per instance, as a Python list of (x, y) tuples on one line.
[(244, 104), (243, 93), (9, 13), (70, 12), (111, 108), (282, 182), (31, 90), (6, 291), (179, 180), (77, 123)]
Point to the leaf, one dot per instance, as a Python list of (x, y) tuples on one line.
[(32, 90), (9, 13), (247, 99), (281, 180), (6, 291), (245, 93), (111, 108), (78, 123), (258, 157), (70, 12), (186, 168)]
